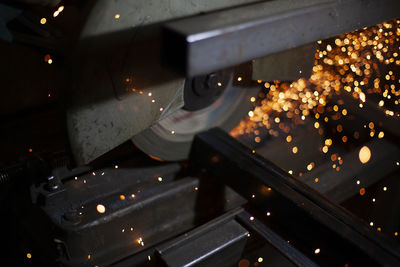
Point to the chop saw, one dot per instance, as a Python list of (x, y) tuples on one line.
[(123, 86), (174, 77), (121, 89)]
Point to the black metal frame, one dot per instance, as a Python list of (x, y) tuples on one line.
[(299, 214)]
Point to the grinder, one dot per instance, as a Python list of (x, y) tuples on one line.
[(122, 88)]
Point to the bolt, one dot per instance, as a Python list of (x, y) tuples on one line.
[(212, 80), (72, 217)]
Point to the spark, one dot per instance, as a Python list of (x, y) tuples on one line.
[(362, 64), (364, 155), (101, 208), (346, 65), (58, 11), (362, 191)]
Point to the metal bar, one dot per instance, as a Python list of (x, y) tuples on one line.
[(195, 249), (275, 240), (307, 216), (201, 44)]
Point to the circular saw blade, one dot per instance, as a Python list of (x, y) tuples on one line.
[(170, 139)]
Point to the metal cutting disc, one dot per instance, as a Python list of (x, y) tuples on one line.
[(171, 138)]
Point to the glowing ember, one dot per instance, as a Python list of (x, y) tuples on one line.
[(100, 208), (364, 154), (362, 191)]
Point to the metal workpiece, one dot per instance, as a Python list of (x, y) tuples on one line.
[(289, 65), (205, 43), (300, 213), (220, 242)]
